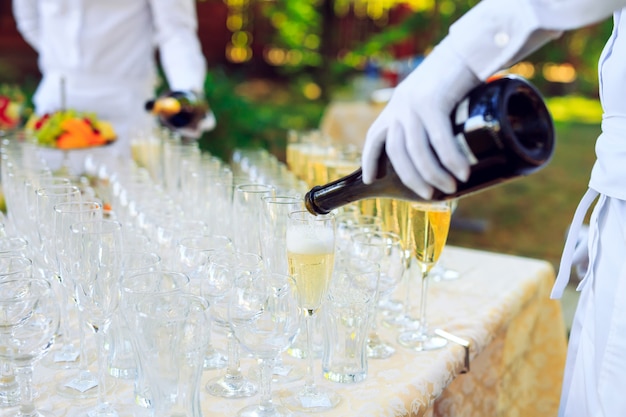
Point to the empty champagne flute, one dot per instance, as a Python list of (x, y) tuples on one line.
[(227, 270), (311, 257), (385, 249), (430, 223), (265, 318), (12, 267), (98, 248), (193, 256), (79, 384), (65, 353), (29, 320), (247, 206)]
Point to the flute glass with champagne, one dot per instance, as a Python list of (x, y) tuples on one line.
[(430, 223), (311, 257)]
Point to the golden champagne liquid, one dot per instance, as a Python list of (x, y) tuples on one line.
[(429, 227), (291, 156), (310, 257), (367, 207), (319, 171), (337, 168)]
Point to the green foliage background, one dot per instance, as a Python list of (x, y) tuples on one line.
[(244, 121)]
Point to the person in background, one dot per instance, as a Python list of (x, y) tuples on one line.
[(99, 57), (491, 36)]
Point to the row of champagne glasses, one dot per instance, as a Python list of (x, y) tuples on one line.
[(259, 224)]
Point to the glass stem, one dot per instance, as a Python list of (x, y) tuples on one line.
[(309, 383), (65, 318), (232, 370), (267, 371), (82, 364), (407, 285), (423, 324), (102, 366), (24, 377)]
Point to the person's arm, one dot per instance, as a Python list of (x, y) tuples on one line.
[(180, 52), (491, 36), (26, 16), (496, 34)]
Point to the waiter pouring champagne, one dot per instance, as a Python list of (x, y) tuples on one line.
[(414, 131)]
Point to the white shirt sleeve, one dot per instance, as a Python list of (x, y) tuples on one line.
[(26, 16), (497, 33), (180, 51)]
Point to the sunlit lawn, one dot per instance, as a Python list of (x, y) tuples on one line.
[(530, 216)]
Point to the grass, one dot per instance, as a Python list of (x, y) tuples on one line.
[(530, 216)]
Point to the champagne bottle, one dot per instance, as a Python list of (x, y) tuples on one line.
[(502, 126), (179, 109)]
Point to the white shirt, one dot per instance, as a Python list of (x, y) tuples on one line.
[(105, 52)]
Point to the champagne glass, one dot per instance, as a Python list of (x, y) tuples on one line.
[(228, 270), (29, 320), (247, 206), (385, 249), (397, 219), (265, 319), (134, 288), (430, 223), (311, 256), (193, 255), (13, 266), (78, 384), (66, 353), (98, 246), (171, 336), (274, 218)]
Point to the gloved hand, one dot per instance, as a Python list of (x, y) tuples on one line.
[(418, 116), (204, 125)]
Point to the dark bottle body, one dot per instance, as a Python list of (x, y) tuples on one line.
[(179, 109), (502, 126)]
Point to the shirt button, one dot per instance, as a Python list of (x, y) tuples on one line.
[(501, 39)]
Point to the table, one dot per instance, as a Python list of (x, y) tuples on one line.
[(500, 304)]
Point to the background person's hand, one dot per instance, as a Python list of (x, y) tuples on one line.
[(206, 124), (415, 128)]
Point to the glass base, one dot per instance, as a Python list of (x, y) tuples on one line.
[(9, 392), (421, 342), (377, 349), (258, 411), (228, 387), (310, 399), (282, 373), (64, 357), (401, 321), (441, 273), (81, 386)]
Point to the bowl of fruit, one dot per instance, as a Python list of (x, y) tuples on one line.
[(69, 130)]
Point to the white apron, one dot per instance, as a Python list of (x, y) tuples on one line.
[(594, 384)]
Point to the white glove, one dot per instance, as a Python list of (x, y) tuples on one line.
[(205, 125), (417, 116)]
